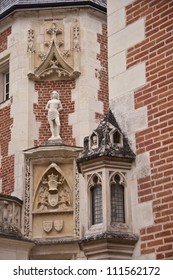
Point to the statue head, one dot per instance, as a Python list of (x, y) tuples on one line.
[(55, 94)]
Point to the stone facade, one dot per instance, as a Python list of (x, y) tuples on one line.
[(45, 51), (105, 191)]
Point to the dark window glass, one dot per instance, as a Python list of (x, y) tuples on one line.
[(117, 200), (96, 201), (116, 137), (6, 86)]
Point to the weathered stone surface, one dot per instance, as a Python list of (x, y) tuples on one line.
[(119, 236), (10, 216), (106, 140)]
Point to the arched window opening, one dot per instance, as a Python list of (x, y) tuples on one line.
[(116, 138), (96, 200), (117, 200), (94, 141)]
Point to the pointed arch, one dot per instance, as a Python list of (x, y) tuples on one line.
[(117, 197), (53, 191), (54, 65), (95, 187)]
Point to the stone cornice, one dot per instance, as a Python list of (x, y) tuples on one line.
[(30, 5)]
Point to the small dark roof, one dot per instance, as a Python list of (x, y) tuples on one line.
[(8, 6), (111, 142)]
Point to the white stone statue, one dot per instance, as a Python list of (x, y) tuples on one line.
[(54, 106)]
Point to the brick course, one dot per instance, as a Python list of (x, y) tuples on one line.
[(3, 39), (7, 162), (157, 95), (103, 94)]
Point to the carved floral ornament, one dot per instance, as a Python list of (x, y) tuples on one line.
[(53, 193), (55, 63)]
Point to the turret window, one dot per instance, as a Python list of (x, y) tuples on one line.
[(96, 200), (117, 200), (116, 138)]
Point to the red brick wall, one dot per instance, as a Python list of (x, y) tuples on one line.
[(44, 89), (3, 39), (157, 96), (103, 94), (7, 162)]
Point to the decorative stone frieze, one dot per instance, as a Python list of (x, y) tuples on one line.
[(76, 205), (51, 61)]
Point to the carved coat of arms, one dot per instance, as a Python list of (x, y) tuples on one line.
[(54, 192), (58, 225), (53, 199), (47, 226)]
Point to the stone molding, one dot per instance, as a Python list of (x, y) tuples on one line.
[(107, 246)]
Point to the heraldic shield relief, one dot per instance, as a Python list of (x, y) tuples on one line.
[(58, 225), (49, 225), (53, 193)]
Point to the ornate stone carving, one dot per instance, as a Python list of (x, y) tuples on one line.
[(10, 215), (76, 210), (66, 54), (112, 176), (76, 44), (54, 106), (47, 226), (53, 193), (30, 40), (54, 63), (58, 225), (27, 198), (54, 30)]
